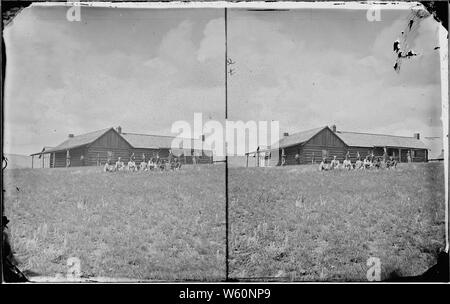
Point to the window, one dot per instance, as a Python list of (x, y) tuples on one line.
[(324, 153)]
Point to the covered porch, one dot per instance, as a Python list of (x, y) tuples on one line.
[(44, 159), (402, 154), (52, 158), (263, 158)]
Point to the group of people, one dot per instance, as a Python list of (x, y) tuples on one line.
[(369, 162), (153, 164)]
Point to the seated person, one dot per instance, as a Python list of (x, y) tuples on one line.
[(377, 163), (178, 164), (173, 163), (324, 165), (394, 163), (347, 164), (131, 165), (108, 168), (143, 166), (162, 164), (367, 163), (334, 163), (119, 165), (151, 164), (359, 164), (391, 162)]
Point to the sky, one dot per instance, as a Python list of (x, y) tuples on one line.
[(144, 69), (311, 68), (140, 69)]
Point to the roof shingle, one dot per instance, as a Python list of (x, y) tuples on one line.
[(145, 141), (78, 141), (299, 137), (148, 141), (355, 139)]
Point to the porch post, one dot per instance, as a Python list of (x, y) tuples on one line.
[(246, 165), (32, 161), (399, 155)]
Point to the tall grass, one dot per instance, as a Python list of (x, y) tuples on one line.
[(144, 226), (295, 223)]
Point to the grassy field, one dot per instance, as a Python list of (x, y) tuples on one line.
[(157, 226), (296, 223)]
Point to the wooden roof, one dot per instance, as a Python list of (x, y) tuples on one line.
[(145, 141), (293, 139), (46, 148), (149, 141), (299, 137), (77, 141), (354, 139)]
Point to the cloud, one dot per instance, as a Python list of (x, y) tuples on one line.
[(181, 63), (83, 77), (177, 46), (281, 77), (212, 45), (76, 84)]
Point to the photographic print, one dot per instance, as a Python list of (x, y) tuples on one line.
[(94, 188), (225, 142), (353, 189)]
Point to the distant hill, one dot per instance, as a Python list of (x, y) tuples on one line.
[(17, 161)]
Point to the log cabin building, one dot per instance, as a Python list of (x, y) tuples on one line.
[(311, 146), (94, 149)]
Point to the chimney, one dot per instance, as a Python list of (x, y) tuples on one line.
[(417, 135), (70, 135), (119, 129), (333, 127), (285, 134)]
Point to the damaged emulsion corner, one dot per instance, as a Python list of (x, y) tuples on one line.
[(439, 10), (10, 272), (11, 9)]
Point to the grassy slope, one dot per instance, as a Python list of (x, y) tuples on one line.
[(301, 224), (167, 225)]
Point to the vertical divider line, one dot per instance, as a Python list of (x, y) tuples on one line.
[(226, 153)]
